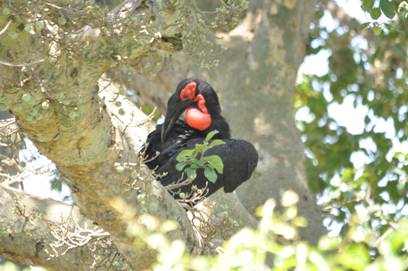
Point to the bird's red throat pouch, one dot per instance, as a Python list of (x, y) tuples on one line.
[(198, 117)]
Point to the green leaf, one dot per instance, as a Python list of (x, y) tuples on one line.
[(200, 148), (191, 173), (210, 135), (183, 159), (215, 162), (354, 257), (387, 8), (195, 165), (367, 5), (210, 174), (377, 30), (180, 166), (185, 155), (375, 13), (216, 142), (200, 163), (348, 175), (365, 25)]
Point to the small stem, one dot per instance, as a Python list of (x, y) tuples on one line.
[(22, 65), (5, 28)]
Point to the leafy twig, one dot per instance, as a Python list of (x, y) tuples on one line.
[(212, 164)]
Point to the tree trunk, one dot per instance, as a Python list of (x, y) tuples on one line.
[(257, 74)]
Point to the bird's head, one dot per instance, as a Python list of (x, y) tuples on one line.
[(198, 100)]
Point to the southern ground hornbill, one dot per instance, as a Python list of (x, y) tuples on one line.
[(192, 112)]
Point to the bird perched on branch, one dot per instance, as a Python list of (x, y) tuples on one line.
[(193, 117)]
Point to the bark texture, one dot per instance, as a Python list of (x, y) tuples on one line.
[(30, 225), (50, 83), (257, 74)]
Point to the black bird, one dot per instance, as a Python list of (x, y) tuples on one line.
[(192, 112)]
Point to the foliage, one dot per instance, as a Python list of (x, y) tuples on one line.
[(386, 7), (190, 160), (367, 66), (276, 237)]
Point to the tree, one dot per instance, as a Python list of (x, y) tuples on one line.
[(58, 82), (50, 84), (367, 67)]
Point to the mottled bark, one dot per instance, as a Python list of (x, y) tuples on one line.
[(52, 90), (26, 226), (257, 75), (10, 144)]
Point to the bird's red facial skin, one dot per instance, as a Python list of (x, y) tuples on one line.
[(188, 92), (197, 119), (201, 103)]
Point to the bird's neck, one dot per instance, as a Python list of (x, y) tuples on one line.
[(220, 124)]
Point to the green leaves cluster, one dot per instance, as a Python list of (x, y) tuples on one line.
[(387, 7), (368, 67), (277, 236), (191, 160)]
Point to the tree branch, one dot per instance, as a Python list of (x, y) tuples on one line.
[(57, 106), (35, 231)]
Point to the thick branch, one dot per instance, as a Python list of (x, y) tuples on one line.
[(27, 225), (98, 163)]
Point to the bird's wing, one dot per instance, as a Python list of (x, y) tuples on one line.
[(157, 153), (239, 158)]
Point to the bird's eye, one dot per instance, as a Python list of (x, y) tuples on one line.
[(188, 92)]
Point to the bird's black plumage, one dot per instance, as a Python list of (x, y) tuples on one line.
[(176, 134)]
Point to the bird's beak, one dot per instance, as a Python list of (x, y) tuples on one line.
[(175, 108)]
